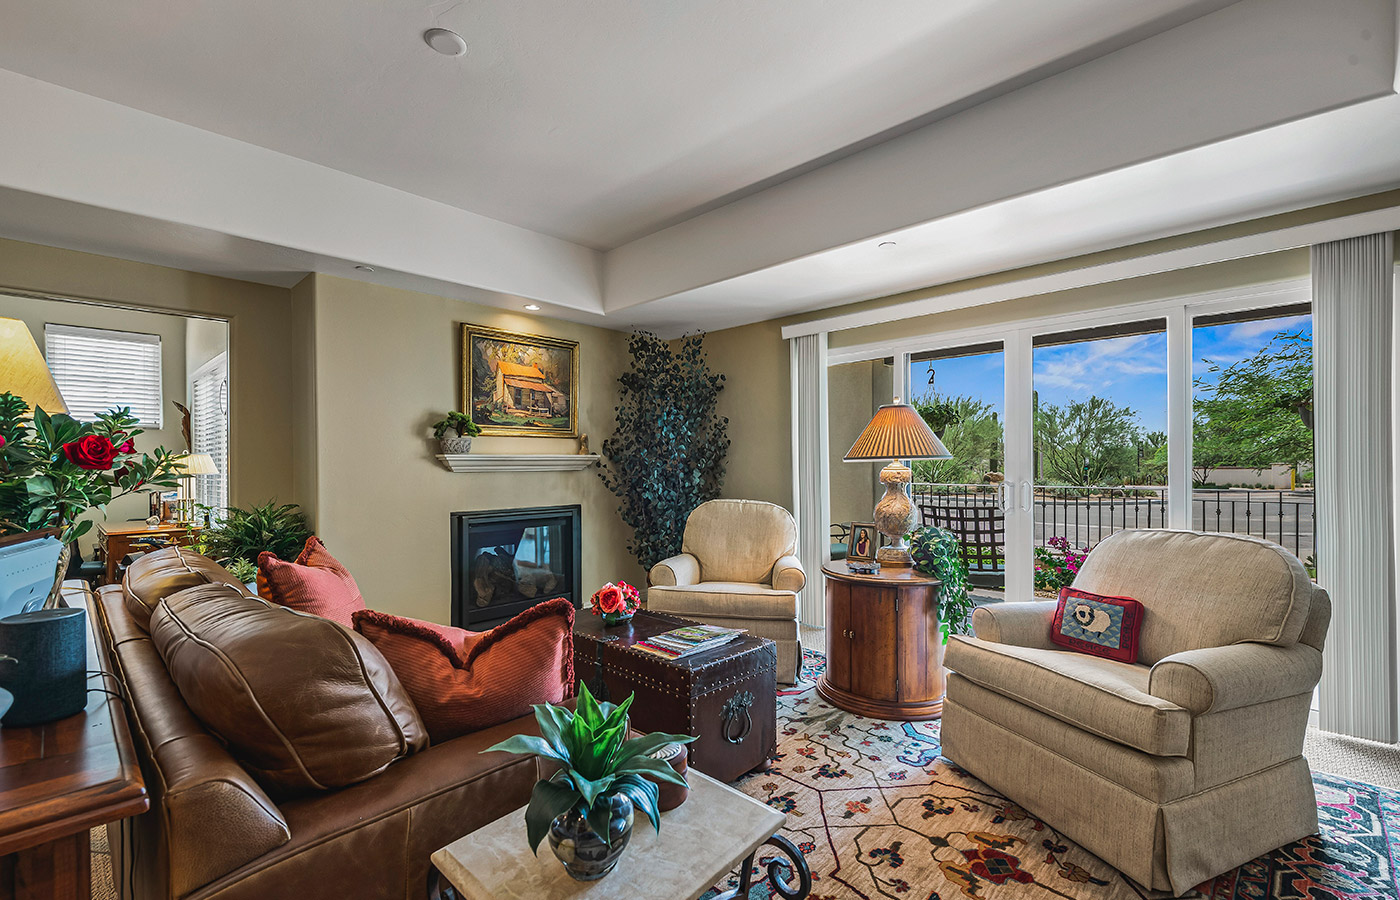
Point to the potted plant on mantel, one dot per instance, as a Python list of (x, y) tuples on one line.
[(455, 431), (586, 806)]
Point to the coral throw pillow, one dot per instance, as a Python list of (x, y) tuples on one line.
[(1097, 625), (315, 583), (464, 681)]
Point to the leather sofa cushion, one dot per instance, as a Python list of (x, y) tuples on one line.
[(739, 540), (157, 575), (1100, 696), (315, 582), (301, 702), (463, 681)]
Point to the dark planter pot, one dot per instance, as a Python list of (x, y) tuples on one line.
[(585, 855), (612, 619)]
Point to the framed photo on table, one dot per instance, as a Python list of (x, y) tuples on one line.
[(864, 541), (524, 385)]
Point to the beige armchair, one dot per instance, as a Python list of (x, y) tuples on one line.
[(737, 568), (1176, 768)]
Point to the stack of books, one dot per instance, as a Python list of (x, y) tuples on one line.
[(687, 641)]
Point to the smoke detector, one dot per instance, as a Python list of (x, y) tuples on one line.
[(448, 43)]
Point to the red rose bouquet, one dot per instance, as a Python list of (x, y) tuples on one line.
[(616, 603), (54, 469)]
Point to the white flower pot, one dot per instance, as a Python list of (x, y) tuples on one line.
[(455, 444)]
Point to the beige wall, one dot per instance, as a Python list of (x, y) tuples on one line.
[(851, 401), (387, 364), (261, 355), (757, 400), (37, 313)]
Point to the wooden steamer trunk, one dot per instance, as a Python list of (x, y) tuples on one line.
[(726, 697)]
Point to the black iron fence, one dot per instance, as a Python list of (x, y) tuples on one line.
[(1086, 515)]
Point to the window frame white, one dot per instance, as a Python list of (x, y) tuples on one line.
[(219, 364)]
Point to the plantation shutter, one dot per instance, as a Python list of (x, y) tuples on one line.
[(97, 370), (209, 431)]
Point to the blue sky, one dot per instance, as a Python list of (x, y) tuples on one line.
[(1131, 371)]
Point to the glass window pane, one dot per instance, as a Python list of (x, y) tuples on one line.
[(1252, 427)]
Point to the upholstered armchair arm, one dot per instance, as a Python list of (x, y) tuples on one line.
[(1220, 678), (679, 569), (788, 575), (1021, 624)]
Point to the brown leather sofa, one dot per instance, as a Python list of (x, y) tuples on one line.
[(213, 832)]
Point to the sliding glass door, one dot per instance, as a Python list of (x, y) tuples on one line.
[(1066, 430)]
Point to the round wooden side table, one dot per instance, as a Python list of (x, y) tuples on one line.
[(884, 652)]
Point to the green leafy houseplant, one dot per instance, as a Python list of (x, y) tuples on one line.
[(937, 552), (245, 533), (459, 423), (596, 761), (667, 453), (53, 469)]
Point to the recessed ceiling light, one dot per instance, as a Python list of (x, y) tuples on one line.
[(532, 307), (365, 268), (886, 243), (448, 43)]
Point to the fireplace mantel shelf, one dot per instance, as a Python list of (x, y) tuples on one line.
[(517, 462)]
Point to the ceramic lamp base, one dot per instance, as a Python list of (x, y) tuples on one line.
[(894, 515)]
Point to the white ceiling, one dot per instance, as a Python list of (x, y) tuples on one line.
[(596, 121), (677, 165)]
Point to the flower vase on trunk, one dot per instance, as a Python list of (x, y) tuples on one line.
[(616, 603)]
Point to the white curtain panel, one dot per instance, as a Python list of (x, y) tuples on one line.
[(1354, 360), (811, 505)]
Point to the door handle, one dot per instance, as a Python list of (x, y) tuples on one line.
[(1027, 496), (1004, 496)]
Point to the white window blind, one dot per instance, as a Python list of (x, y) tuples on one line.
[(209, 430), (97, 370)]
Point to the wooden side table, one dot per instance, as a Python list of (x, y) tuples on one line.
[(117, 541), (884, 652), (62, 778)]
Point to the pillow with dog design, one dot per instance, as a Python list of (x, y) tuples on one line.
[(1100, 626)]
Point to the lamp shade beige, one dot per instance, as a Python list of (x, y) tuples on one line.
[(196, 464), (23, 371), (897, 431)]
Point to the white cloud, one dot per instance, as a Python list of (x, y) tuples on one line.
[(1094, 365)]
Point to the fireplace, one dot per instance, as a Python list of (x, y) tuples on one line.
[(504, 561)]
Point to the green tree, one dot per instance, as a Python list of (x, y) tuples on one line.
[(969, 428), (1258, 411), (1086, 442)]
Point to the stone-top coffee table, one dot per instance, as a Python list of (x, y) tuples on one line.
[(716, 830)]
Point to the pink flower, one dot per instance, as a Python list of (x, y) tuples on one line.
[(608, 598), (128, 447)]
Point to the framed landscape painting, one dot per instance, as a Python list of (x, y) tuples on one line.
[(520, 384)]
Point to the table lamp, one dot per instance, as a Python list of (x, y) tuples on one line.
[(897, 432), (191, 465), (23, 371)]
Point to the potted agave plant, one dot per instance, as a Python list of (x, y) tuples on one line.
[(455, 431), (586, 807)]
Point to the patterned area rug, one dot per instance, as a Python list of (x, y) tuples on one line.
[(879, 813)]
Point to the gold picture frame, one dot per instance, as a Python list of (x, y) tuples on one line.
[(513, 383)]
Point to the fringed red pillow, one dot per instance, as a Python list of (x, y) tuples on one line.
[(315, 583), (464, 681)]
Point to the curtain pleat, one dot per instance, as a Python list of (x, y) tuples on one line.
[(809, 460), (1353, 360)]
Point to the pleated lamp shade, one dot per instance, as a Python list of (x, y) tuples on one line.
[(897, 432), (23, 371), (196, 464)]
